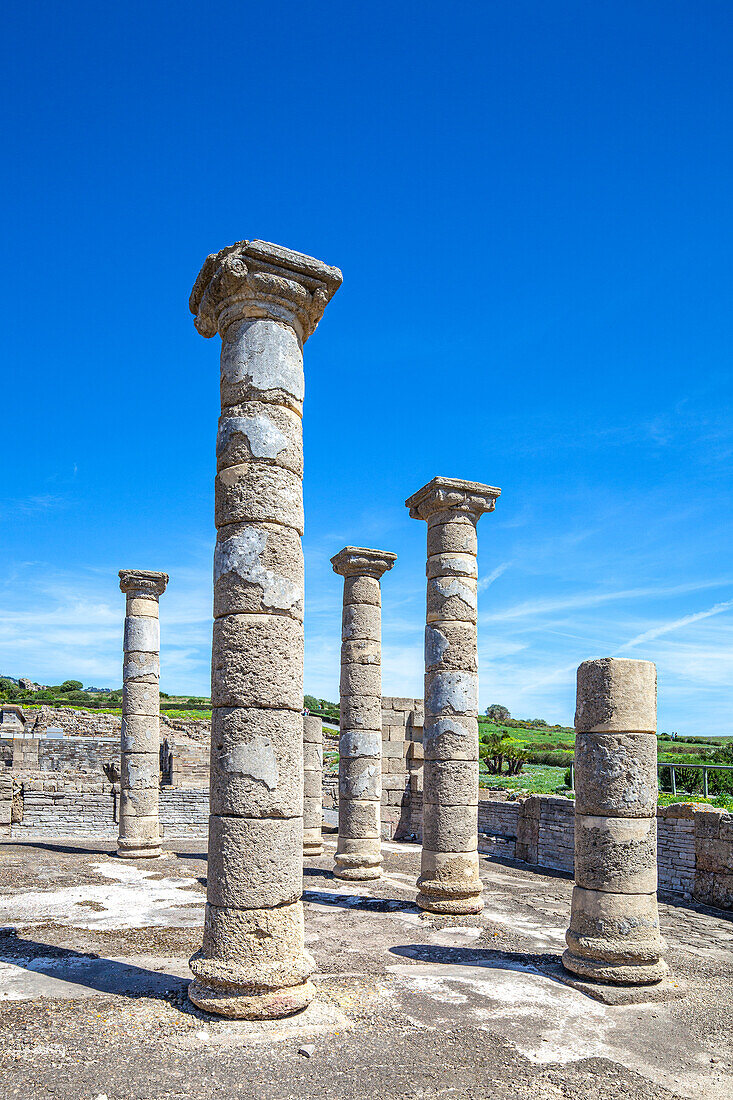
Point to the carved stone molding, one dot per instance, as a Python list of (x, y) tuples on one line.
[(359, 561), (143, 583), (256, 279), (444, 493)]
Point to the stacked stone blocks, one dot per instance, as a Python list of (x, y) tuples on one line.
[(614, 924), (312, 785), (449, 879), (139, 835), (402, 768), (359, 849), (264, 301)]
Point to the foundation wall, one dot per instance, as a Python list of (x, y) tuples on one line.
[(694, 853), (84, 809)]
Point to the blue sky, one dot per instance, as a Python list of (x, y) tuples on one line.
[(530, 203)]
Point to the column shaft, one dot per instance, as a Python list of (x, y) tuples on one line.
[(312, 785), (449, 879), (264, 301), (359, 848), (139, 833), (614, 923)]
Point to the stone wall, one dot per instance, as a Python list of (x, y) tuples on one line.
[(80, 722), (714, 858), (402, 768), (65, 809), (695, 842), (78, 755), (6, 803)]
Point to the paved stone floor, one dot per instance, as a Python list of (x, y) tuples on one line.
[(93, 970)]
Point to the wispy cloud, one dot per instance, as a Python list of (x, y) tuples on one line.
[(486, 582), (676, 624), (580, 600)]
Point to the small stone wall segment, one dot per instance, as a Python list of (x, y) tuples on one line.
[(614, 922), (359, 848), (312, 785), (264, 301), (449, 881), (713, 884), (6, 803), (402, 768), (77, 755), (140, 731)]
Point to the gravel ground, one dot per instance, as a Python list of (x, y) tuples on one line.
[(93, 971)]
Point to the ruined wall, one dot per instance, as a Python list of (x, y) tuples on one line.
[(714, 858), (78, 755), (79, 722), (6, 804), (402, 768), (694, 854), (65, 809)]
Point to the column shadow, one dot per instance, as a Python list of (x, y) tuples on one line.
[(92, 971)]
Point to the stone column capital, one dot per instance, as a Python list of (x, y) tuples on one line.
[(143, 582), (450, 493), (359, 561), (256, 279)]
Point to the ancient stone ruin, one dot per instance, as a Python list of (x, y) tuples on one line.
[(359, 849), (614, 922), (312, 785), (449, 879), (140, 737), (264, 301)]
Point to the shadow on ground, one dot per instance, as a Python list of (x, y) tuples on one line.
[(91, 970)]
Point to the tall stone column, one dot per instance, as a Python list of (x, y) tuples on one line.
[(312, 785), (614, 922), (264, 301), (140, 739), (359, 847), (449, 878)]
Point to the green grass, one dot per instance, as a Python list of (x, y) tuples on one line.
[(535, 778)]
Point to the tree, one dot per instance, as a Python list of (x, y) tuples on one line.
[(516, 757), (497, 713), (492, 751), (71, 685)]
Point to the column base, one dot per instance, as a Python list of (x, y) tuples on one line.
[(135, 849), (358, 859), (252, 964), (616, 973), (357, 874), (271, 1004), (312, 842), (449, 883)]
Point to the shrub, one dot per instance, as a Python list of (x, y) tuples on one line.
[(71, 685), (552, 759)]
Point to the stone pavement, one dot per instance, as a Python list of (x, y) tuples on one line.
[(94, 964)]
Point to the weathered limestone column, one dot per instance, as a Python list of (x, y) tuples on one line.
[(449, 878), (359, 848), (312, 785), (264, 301), (614, 922), (140, 739)]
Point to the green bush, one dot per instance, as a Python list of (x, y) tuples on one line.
[(553, 759), (71, 685)]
